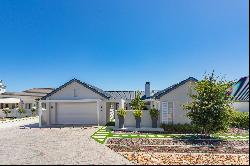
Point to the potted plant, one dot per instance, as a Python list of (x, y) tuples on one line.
[(138, 115), (121, 113), (154, 113)]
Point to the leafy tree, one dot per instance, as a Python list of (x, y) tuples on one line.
[(21, 111), (137, 103), (210, 109), (6, 111)]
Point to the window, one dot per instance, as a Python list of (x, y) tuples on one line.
[(75, 93), (28, 106), (44, 105), (170, 112), (13, 106), (167, 112)]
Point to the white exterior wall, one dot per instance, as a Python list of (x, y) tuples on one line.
[(179, 97), (130, 119), (67, 93), (241, 106)]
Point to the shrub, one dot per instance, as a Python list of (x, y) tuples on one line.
[(110, 124), (33, 110), (137, 113), (181, 128), (210, 107), (240, 119), (21, 111), (154, 113), (6, 111), (121, 112)]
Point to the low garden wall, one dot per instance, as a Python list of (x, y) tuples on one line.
[(129, 120)]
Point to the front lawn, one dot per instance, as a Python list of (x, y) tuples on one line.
[(104, 133)]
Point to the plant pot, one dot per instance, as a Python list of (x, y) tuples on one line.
[(138, 122), (121, 121), (154, 122)]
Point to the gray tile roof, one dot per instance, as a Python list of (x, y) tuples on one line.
[(128, 95), (169, 89), (39, 90)]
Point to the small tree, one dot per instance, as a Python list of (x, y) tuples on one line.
[(21, 111), (210, 108), (137, 103), (6, 111)]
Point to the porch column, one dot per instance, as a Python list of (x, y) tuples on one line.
[(39, 107), (121, 103), (98, 103)]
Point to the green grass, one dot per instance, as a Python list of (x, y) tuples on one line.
[(106, 133)]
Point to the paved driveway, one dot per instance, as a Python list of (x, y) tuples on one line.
[(54, 146)]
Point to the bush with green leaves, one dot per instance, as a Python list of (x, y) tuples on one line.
[(137, 103), (6, 111), (137, 113), (240, 119), (181, 128), (110, 124), (210, 107), (154, 113), (33, 110), (21, 111), (121, 112)]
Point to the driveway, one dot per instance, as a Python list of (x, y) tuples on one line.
[(54, 146)]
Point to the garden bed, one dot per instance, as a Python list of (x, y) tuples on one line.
[(193, 142), (186, 159)]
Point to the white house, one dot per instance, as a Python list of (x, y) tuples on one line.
[(25, 99), (77, 102)]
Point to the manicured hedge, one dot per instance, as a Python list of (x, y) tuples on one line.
[(180, 128), (240, 119)]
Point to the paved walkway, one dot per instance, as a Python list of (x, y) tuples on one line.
[(54, 146)]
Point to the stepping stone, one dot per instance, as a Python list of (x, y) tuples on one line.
[(132, 135), (151, 136), (124, 135), (143, 135), (231, 136), (116, 136), (160, 136), (103, 132), (100, 140), (99, 136)]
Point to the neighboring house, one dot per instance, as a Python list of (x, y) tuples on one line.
[(77, 102), (25, 99), (240, 92)]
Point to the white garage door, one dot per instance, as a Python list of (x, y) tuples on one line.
[(76, 113)]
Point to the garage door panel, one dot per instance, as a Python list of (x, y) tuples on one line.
[(76, 113)]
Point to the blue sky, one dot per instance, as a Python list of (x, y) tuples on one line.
[(119, 45)]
